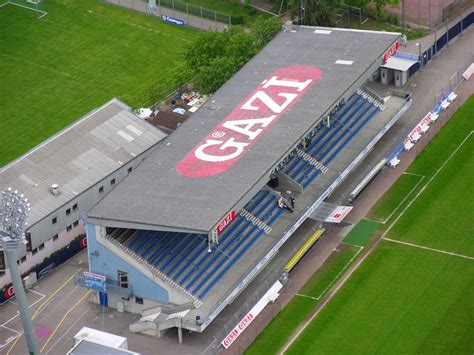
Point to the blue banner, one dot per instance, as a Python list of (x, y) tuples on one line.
[(172, 20)]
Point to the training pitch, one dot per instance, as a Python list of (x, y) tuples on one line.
[(76, 58)]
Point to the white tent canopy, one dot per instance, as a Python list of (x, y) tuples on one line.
[(397, 63)]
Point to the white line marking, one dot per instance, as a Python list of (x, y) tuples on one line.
[(306, 296), (428, 248), (361, 260), (337, 276), (426, 185), (405, 198), (31, 305), (342, 271), (10, 329)]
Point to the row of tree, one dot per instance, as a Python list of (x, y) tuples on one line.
[(215, 56)]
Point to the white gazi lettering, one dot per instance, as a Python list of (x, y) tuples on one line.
[(230, 143), (300, 85), (268, 101), (247, 125)]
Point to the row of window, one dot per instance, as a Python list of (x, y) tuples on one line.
[(75, 206), (68, 212)]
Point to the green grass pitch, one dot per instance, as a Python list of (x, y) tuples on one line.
[(405, 299), (82, 54)]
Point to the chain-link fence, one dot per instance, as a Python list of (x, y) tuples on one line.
[(180, 12)]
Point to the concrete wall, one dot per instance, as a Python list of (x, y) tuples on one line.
[(105, 262)]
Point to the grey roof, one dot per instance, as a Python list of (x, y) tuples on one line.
[(157, 195), (78, 157)]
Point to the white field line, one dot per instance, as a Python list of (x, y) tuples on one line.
[(361, 260), (43, 13), (306, 296), (337, 276), (422, 177), (33, 64), (426, 185), (342, 271), (428, 248)]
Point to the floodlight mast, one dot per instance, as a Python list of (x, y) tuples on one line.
[(13, 215)]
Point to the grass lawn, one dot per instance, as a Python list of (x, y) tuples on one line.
[(400, 192), (402, 300), (285, 323), (82, 54), (229, 7), (361, 233), (405, 299)]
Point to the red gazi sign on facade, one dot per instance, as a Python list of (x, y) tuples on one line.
[(225, 221), (242, 128), (391, 51)]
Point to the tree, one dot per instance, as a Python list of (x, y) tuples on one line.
[(214, 57), (314, 12), (265, 29)]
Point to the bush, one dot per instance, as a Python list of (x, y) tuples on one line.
[(236, 19)]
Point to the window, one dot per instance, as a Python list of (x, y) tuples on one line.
[(68, 228), (23, 259), (55, 237), (138, 300), (75, 224), (68, 212), (101, 189), (41, 246), (129, 170), (112, 182), (74, 207), (54, 220), (122, 278), (34, 251)]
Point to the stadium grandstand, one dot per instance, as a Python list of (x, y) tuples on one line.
[(186, 232)]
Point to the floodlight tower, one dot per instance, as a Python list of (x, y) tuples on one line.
[(13, 214)]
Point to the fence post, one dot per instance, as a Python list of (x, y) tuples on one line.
[(447, 34), (187, 12), (174, 12), (202, 20), (215, 19)]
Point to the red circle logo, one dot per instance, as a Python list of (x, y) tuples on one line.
[(9, 292), (83, 243)]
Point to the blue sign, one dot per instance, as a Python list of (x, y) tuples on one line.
[(95, 281), (172, 20)]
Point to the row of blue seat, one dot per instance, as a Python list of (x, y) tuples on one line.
[(332, 139), (184, 257), (226, 252), (352, 106), (207, 260), (342, 140)]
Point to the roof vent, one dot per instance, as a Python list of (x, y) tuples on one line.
[(54, 189)]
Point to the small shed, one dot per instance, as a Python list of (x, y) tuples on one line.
[(396, 70)]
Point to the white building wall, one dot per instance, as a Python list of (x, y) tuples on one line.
[(50, 246)]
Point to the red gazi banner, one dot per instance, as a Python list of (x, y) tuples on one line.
[(225, 221), (242, 128), (391, 51)]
